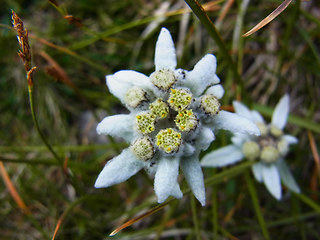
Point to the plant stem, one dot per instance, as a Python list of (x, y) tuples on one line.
[(59, 160), (214, 210), (195, 218), (208, 24), (307, 201), (256, 205)]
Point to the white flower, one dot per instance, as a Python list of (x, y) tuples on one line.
[(173, 114), (269, 148)]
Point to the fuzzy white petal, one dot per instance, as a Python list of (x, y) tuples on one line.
[(204, 138), (239, 138), (216, 79), (257, 171), (120, 82), (202, 75), (290, 139), (166, 178), (194, 176), (222, 157), (242, 110), (286, 176), (234, 123), (119, 169), (188, 149), (120, 125), (176, 191), (257, 117), (271, 179), (280, 114), (216, 90), (165, 53)]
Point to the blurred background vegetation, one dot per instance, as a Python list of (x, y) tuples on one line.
[(75, 44)]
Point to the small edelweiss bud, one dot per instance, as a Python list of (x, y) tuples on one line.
[(179, 99), (163, 79), (180, 74), (143, 148), (168, 140), (135, 96), (186, 120), (263, 128), (283, 147), (210, 104), (145, 122), (159, 108), (275, 131), (251, 150), (269, 154)]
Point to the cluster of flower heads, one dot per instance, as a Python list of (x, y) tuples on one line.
[(269, 149), (174, 114)]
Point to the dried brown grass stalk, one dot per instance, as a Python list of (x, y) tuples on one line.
[(140, 217), (73, 20), (269, 18), (316, 170), (12, 190)]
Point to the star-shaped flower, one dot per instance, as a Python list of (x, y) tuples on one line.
[(173, 114), (269, 149)]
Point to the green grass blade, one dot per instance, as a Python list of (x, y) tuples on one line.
[(208, 24), (214, 207), (195, 218), (256, 205), (308, 201)]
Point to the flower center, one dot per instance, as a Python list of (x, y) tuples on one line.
[(145, 122), (263, 128), (283, 147), (210, 104), (159, 108), (135, 96), (275, 131), (179, 99), (143, 148), (269, 147), (251, 150), (168, 140), (163, 79), (186, 120), (269, 154)]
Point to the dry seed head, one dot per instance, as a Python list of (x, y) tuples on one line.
[(163, 79), (143, 148), (179, 99), (159, 108), (22, 36)]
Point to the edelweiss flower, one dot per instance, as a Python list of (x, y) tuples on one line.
[(172, 117), (269, 149)]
